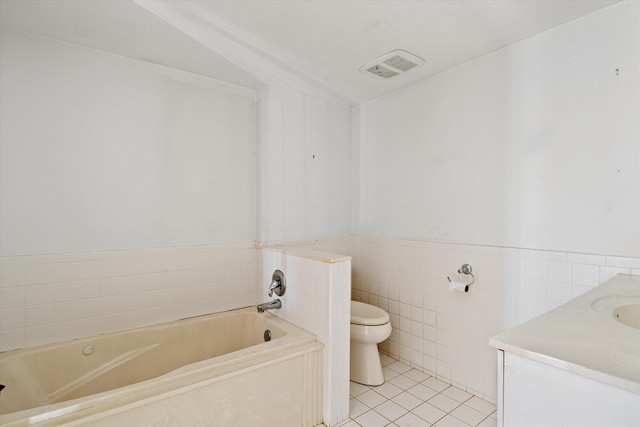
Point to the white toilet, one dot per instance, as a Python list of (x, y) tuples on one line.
[(369, 326)]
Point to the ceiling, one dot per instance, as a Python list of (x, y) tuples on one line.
[(121, 27), (315, 47)]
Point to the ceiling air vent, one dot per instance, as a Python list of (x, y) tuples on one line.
[(392, 64)]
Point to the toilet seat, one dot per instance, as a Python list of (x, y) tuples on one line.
[(367, 315)]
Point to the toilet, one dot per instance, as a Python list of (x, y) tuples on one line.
[(369, 326)]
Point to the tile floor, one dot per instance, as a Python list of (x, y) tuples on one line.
[(411, 398)]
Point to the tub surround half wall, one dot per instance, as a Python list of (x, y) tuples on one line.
[(317, 299)]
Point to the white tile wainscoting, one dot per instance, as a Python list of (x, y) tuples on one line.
[(60, 297), (317, 299), (51, 298), (446, 334)]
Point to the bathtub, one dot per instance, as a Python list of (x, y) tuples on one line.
[(213, 370)]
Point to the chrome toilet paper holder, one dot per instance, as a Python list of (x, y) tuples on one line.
[(466, 269)]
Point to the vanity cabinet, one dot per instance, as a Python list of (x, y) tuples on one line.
[(533, 394), (576, 365)]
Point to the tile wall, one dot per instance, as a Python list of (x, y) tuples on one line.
[(51, 298), (317, 299), (446, 333)]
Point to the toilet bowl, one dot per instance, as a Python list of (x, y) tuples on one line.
[(369, 326)]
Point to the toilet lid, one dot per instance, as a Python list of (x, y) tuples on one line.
[(367, 315)]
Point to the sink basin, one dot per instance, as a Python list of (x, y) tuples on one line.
[(624, 309), (628, 315)]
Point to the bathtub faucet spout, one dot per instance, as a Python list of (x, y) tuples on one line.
[(276, 303)]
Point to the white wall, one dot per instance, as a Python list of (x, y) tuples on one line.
[(536, 145), (105, 152), (127, 193), (304, 177)]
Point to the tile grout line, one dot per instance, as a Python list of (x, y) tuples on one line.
[(381, 399)]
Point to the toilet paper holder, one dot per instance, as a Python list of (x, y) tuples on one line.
[(466, 269)]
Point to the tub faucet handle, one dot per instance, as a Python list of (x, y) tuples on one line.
[(278, 283)]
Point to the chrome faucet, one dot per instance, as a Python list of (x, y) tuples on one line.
[(278, 283), (276, 303)]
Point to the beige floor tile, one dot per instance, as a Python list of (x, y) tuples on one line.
[(435, 384), (407, 400), (399, 367), (480, 405), (386, 360), (389, 373), (388, 390), (372, 419), (457, 394), (444, 403), (403, 382), (412, 398), (422, 392), (451, 421), (371, 398), (412, 420), (429, 412), (468, 415), (416, 375), (356, 389), (357, 408), (488, 422), (391, 410)]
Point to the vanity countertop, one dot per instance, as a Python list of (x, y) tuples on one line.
[(579, 339)]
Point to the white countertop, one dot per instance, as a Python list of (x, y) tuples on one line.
[(303, 252), (576, 338)]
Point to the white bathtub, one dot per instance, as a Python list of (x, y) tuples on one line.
[(211, 370)]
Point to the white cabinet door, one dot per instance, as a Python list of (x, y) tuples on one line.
[(535, 394)]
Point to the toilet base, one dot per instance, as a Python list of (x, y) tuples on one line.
[(366, 367)]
